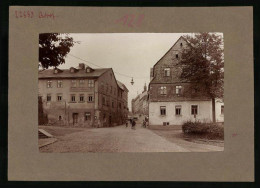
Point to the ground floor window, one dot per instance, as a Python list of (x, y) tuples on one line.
[(178, 110), (87, 116), (59, 97), (222, 109), (194, 109), (163, 110)]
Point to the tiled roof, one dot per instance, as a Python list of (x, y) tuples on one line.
[(65, 73), (121, 85)]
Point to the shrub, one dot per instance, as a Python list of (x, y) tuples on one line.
[(208, 130)]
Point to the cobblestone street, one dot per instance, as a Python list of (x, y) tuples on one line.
[(119, 139)]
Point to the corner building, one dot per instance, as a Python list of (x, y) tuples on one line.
[(82, 97)]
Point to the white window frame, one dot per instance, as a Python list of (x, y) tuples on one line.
[(80, 97), (163, 107), (59, 95), (163, 90), (59, 84), (49, 84), (167, 72), (73, 83), (81, 82), (90, 83), (178, 107), (197, 109), (92, 97), (72, 98), (178, 89)]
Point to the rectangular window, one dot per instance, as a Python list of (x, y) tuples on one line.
[(90, 98), (178, 110), (87, 116), (81, 83), (163, 90), (73, 83), (119, 105), (59, 84), (73, 98), (163, 110), (178, 90), (59, 97), (222, 109), (111, 89), (48, 97), (49, 84), (90, 83), (81, 98), (194, 109), (112, 104), (167, 72)]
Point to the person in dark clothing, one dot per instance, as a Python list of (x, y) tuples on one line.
[(126, 123), (133, 124)]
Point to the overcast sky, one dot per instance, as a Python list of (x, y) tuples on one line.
[(131, 54)]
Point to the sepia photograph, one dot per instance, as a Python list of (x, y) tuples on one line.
[(131, 92)]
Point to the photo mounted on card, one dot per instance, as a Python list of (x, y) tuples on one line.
[(122, 86)]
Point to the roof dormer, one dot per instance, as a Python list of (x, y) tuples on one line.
[(56, 70), (72, 69), (89, 69)]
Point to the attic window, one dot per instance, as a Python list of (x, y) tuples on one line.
[(177, 56), (88, 69), (71, 69), (181, 44), (55, 71)]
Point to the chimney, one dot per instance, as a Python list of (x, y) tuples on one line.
[(81, 66), (145, 87)]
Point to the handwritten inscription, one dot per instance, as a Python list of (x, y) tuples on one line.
[(31, 14), (234, 134), (131, 20)]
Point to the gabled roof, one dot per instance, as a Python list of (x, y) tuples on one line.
[(122, 86), (66, 73), (169, 51)]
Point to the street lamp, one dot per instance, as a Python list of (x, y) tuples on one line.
[(132, 81)]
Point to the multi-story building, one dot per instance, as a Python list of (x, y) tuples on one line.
[(169, 103), (140, 103), (122, 102), (84, 97)]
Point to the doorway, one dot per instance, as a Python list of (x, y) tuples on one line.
[(75, 118)]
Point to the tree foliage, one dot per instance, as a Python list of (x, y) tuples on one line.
[(53, 48), (202, 63)]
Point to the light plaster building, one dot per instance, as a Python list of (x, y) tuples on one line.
[(83, 96), (169, 103)]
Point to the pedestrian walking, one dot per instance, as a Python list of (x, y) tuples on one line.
[(133, 124), (126, 123), (144, 123)]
